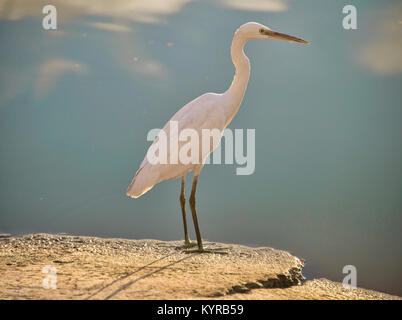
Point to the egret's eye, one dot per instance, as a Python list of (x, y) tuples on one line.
[(262, 30)]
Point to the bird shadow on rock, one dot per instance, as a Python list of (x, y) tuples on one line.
[(129, 283)]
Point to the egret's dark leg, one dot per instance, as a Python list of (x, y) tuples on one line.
[(194, 213), (183, 211), (196, 227)]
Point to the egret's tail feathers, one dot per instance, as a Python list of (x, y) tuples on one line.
[(142, 183)]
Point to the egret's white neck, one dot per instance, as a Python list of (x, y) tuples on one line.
[(234, 95)]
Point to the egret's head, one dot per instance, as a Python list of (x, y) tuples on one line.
[(254, 30)]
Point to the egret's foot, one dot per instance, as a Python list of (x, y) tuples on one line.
[(187, 244), (209, 250)]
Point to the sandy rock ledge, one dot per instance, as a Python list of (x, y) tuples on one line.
[(98, 268)]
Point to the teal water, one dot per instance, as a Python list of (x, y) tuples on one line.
[(76, 105)]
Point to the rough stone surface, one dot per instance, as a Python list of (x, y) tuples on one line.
[(97, 268)]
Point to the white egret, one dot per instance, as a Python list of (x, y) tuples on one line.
[(209, 111)]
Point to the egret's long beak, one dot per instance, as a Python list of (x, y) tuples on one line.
[(283, 36)]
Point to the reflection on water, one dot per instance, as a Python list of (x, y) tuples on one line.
[(76, 105)]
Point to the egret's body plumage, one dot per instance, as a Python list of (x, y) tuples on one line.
[(201, 113), (208, 111)]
